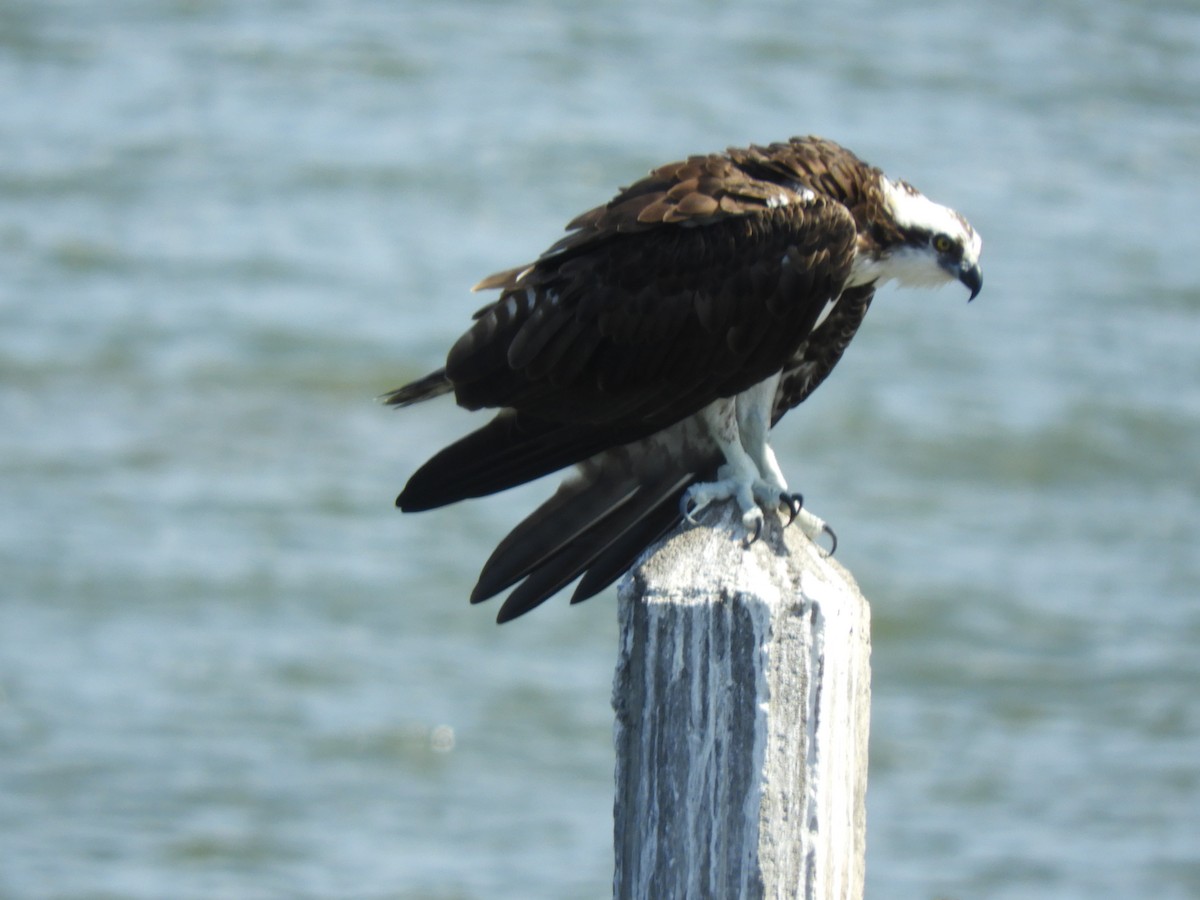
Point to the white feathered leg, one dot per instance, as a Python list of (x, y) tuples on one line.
[(738, 479), (754, 423), (751, 475)]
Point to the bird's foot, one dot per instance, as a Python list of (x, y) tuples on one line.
[(752, 497)]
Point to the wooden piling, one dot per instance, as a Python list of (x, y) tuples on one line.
[(742, 700)]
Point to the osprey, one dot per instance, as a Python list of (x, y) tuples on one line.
[(656, 345)]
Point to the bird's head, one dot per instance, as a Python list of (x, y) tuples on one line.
[(927, 244)]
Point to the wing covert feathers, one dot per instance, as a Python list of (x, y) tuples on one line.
[(652, 328)]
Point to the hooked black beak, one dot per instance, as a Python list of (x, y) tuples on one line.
[(972, 278)]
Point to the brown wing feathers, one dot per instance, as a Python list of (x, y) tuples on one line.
[(818, 355), (589, 345), (696, 282), (510, 450), (588, 370)]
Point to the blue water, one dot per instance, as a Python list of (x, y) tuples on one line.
[(228, 668)]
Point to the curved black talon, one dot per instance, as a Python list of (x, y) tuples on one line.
[(687, 508), (832, 540), (750, 539), (794, 503)]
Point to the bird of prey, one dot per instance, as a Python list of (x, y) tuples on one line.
[(656, 344)]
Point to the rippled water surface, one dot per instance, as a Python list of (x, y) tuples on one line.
[(228, 668)]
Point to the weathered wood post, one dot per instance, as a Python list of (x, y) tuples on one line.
[(742, 699)]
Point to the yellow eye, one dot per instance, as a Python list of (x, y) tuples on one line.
[(942, 243)]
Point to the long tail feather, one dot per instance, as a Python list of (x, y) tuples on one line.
[(621, 554), (576, 506), (573, 557)]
